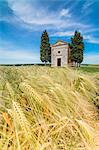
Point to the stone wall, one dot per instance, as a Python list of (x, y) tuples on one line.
[(59, 52)]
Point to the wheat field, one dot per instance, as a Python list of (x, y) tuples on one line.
[(43, 108)]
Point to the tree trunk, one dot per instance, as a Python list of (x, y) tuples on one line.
[(45, 63), (75, 64)]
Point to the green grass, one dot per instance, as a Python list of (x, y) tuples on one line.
[(44, 108), (89, 68)]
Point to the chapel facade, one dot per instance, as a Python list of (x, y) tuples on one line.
[(60, 54)]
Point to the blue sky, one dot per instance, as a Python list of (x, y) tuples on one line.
[(23, 21)]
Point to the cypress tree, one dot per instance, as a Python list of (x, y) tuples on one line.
[(76, 48), (45, 49)]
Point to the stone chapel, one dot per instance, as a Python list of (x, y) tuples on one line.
[(60, 54)]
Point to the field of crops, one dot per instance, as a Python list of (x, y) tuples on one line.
[(44, 108)]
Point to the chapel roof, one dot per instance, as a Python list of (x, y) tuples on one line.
[(59, 43)]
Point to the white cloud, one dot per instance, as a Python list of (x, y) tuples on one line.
[(10, 53), (36, 15), (87, 4), (65, 13), (67, 33), (91, 59), (30, 14), (90, 30), (91, 39), (18, 55), (86, 9)]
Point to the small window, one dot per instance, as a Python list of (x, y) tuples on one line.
[(59, 52)]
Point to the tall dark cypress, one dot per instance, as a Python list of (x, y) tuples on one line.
[(76, 48), (45, 49)]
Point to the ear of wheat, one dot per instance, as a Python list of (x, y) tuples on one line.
[(43, 108)]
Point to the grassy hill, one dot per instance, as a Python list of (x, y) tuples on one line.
[(43, 108)]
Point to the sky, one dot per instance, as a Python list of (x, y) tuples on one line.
[(23, 21)]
